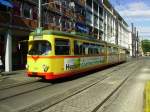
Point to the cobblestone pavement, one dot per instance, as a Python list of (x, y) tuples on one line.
[(94, 97), (9, 79), (130, 97), (40, 99), (104, 91)]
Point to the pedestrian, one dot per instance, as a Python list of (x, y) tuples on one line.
[(1, 65)]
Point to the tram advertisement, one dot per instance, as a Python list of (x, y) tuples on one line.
[(88, 61), (72, 63)]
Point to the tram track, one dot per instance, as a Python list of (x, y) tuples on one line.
[(101, 103), (33, 81), (16, 84), (30, 87), (112, 93), (70, 93), (22, 89), (123, 90)]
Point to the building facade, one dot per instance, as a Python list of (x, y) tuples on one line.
[(94, 17)]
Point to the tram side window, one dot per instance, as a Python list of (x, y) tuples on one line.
[(115, 50), (122, 51), (82, 49), (91, 49), (101, 49), (86, 48), (109, 49), (77, 50), (62, 46), (94, 49)]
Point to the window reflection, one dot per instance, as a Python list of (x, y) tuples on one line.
[(39, 48)]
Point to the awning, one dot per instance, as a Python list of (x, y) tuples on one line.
[(7, 3)]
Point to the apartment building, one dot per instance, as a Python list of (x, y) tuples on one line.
[(19, 17)]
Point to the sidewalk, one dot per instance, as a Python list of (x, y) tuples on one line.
[(12, 72), (18, 75), (14, 78)]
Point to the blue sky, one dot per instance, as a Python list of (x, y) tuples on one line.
[(137, 12)]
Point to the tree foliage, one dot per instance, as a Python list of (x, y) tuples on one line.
[(146, 45)]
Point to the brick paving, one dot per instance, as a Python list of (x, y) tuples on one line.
[(87, 100)]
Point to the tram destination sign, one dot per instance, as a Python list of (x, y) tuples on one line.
[(37, 37), (38, 31)]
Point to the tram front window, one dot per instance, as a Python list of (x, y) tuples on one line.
[(39, 47)]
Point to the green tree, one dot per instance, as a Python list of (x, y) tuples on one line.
[(146, 45)]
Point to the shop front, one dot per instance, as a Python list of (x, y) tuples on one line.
[(12, 51)]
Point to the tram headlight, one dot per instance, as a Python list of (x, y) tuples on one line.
[(45, 68), (27, 66)]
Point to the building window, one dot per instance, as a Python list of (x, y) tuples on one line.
[(16, 8), (35, 12), (89, 2), (89, 17), (48, 17), (63, 23), (27, 10), (57, 20), (95, 7), (96, 21), (45, 17)]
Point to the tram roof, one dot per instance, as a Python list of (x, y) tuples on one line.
[(72, 34)]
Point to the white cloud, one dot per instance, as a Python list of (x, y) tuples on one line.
[(137, 13), (137, 6), (138, 9), (137, 19), (144, 30)]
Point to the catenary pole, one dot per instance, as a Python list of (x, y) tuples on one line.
[(39, 13)]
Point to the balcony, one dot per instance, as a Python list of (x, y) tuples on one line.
[(57, 28), (7, 19), (55, 7), (81, 18), (49, 26), (69, 14), (80, 2), (24, 22), (4, 18)]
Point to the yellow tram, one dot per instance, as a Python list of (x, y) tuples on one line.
[(54, 54)]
